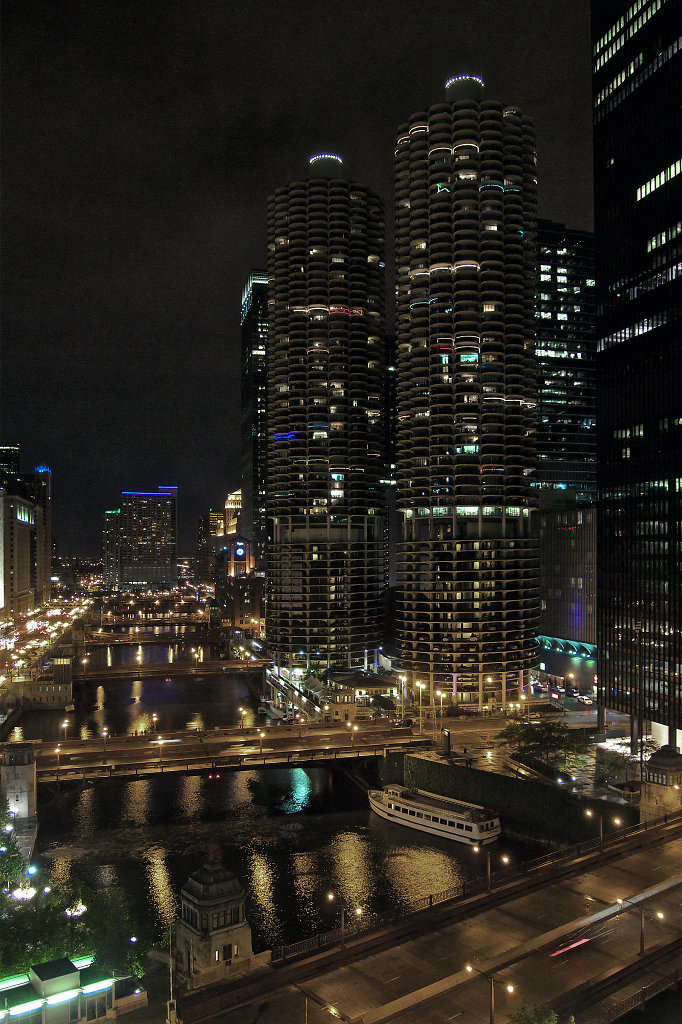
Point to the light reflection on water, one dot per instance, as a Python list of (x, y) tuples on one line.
[(290, 837)]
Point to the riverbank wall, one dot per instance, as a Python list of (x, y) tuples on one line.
[(525, 806)]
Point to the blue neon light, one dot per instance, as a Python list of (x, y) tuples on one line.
[(42, 469), (286, 437), (325, 156)]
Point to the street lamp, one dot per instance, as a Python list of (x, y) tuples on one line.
[(439, 693), (155, 719), (504, 859), (591, 814), (358, 913), (491, 979), (422, 686), (260, 740), (57, 751), (640, 910), (161, 743), (65, 726), (104, 741)]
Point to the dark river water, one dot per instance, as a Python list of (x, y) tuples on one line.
[(291, 836)]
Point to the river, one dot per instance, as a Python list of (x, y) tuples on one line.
[(291, 836)]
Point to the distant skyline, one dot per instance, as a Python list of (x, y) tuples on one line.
[(140, 144)]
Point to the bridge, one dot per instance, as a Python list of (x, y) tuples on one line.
[(217, 750), (164, 668)]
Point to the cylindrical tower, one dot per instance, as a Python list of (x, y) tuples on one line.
[(325, 357), (465, 178)]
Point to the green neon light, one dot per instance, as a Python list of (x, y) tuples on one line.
[(97, 986), (82, 961), (35, 1004), (13, 981), (62, 997)]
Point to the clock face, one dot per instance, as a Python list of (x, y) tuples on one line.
[(239, 552)]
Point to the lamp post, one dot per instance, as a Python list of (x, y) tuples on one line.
[(57, 750), (260, 741), (65, 726), (504, 859), (491, 979), (422, 686), (155, 719), (161, 742), (590, 814), (358, 912), (104, 741), (439, 693), (640, 910)]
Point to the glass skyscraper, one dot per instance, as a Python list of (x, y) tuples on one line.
[(465, 173), (637, 96), (565, 351)]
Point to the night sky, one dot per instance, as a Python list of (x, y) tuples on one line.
[(140, 143)]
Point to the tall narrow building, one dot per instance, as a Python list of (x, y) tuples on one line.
[(637, 95), (326, 377), (254, 326), (465, 173)]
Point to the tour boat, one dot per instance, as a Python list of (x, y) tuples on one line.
[(439, 815)]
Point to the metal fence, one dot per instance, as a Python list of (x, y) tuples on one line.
[(639, 999), (477, 886)]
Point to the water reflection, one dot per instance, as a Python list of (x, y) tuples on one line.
[(161, 891), (136, 802)]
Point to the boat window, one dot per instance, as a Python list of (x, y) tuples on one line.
[(404, 810), (460, 825), (451, 824), (391, 806), (443, 821), (419, 814), (412, 814), (468, 828), (427, 817)]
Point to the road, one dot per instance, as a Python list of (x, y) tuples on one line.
[(547, 944), (227, 746)]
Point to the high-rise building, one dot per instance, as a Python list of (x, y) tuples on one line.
[(25, 534), (326, 442), (147, 541), (254, 325), (210, 538), (111, 560), (465, 173), (637, 94), (565, 350), (233, 513)]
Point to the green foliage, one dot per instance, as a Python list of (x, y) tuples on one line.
[(547, 742), (533, 1015), (39, 929), (522, 803), (11, 862)]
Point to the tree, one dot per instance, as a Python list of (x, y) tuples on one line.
[(545, 742), (533, 1015), (11, 861)]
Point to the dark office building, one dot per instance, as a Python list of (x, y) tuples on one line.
[(465, 173), (637, 96), (326, 549), (254, 325), (565, 350)]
